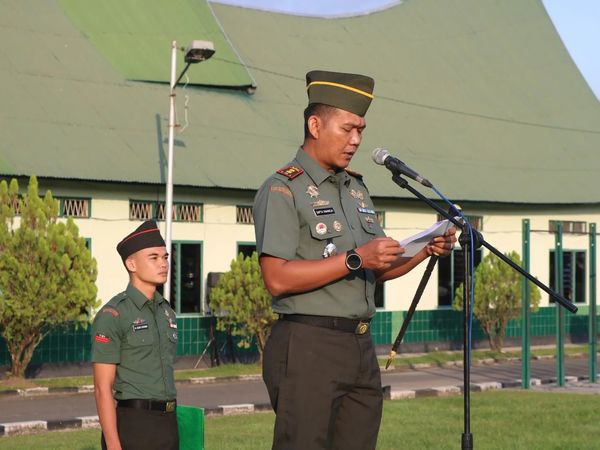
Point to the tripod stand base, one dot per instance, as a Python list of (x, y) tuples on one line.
[(467, 441)]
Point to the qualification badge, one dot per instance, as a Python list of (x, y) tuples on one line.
[(337, 225), (329, 250), (312, 191), (321, 228)]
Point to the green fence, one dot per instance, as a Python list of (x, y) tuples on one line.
[(73, 344)]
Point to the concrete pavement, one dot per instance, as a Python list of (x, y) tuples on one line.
[(18, 413)]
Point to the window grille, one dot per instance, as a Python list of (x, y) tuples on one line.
[(189, 212), (140, 210), (569, 226), (475, 221), (243, 214), (182, 212), (74, 207)]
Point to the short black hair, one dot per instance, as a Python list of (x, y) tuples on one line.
[(316, 109)]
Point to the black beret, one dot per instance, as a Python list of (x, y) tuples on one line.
[(347, 91), (145, 236)]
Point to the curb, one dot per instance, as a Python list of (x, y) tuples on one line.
[(445, 391), (89, 388), (14, 428)]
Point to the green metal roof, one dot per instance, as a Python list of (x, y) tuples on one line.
[(135, 37), (479, 96)]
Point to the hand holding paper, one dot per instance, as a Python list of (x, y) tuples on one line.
[(414, 244)]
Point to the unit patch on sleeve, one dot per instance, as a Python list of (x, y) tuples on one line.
[(280, 189), (102, 338), (112, 311), (290, 172)]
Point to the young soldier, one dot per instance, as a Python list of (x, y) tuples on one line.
[(321, 251), (133, 349)]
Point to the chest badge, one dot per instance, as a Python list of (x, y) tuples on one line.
[(139, 324), (319, 203), (337, 225), (359, 196), (312, 191), (321, 228), (329, 250)]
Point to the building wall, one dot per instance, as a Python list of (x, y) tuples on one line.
[(220, 234)]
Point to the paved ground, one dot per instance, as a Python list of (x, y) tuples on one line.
[(56, 407)]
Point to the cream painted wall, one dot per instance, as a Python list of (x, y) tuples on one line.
[(502, 229), (220, 234)]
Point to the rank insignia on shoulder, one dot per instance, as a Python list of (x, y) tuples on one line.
[(290, 172)]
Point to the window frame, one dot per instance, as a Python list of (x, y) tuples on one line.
[(573, 253), (176, 280)]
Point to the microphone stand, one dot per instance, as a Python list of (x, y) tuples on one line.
[(465, 242), (423, 283), (418, 293)]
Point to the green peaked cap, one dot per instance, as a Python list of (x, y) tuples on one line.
[(347, 91)]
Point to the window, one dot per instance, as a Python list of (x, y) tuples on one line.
[(573, 275), (246, 248), (74, 207), (451, 272), (379, 295), (186, 277), (568, 226), (475, 221), (148, 209), (88, 244), (381, 218), (243, 214)]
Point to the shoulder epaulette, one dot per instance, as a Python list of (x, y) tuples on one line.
[(353, 173), (290, 172), (117, 299)]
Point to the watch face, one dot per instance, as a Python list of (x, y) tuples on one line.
[(353, 261)]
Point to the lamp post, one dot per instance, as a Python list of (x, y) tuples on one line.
[(195, 52)]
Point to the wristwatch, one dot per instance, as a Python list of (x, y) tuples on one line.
[(353, 261)]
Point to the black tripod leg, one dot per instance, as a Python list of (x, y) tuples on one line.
[(413, 306)]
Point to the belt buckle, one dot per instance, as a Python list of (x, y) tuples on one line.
[(170, 406), (362, 327)]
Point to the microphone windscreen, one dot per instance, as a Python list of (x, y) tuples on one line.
[(379, 155)]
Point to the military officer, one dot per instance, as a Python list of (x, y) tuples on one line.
[(133, 349), (321, 252)]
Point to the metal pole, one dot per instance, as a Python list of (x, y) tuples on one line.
[(467, 437), (168, 212), (593, 324), (525, 311), (560, 315)]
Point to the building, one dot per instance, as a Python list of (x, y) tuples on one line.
[(479, 96)]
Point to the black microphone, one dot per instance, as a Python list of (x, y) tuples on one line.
[(382, 157)]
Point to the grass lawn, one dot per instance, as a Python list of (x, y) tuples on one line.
[(500, 420)]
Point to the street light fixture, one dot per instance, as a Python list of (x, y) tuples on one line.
[(195, 52)]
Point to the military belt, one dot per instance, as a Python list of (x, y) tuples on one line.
[(356, 326), (153, 405)]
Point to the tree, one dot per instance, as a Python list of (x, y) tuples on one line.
[(242, 303), (497, 297), (47, 274)]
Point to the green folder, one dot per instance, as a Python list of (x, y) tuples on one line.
[(190, 422)]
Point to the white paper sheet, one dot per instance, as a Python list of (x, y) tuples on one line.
[(415, 243)]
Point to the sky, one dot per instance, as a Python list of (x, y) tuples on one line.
[(577, 22)]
